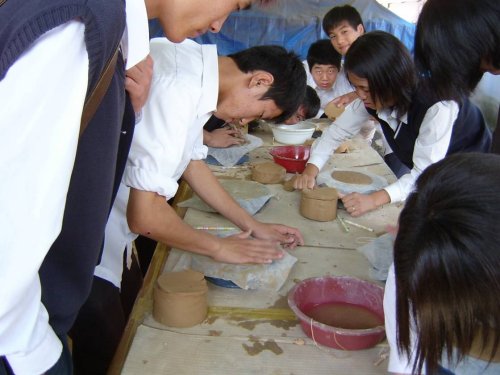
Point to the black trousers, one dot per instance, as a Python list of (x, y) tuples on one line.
[(101, 321)]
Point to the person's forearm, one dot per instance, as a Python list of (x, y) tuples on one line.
[(150, 215), (380, 198), (207, 138), (311, 170), (208, 188)]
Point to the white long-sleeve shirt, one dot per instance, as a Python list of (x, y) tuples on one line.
[(431, 145), (39, 125), (182, 98)]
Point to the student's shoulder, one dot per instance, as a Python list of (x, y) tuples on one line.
[(164, 49)]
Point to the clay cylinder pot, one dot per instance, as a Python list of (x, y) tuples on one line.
[(319, 204), (180, 299), (268, 173)]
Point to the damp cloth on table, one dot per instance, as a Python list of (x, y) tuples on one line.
[(269, 277), (213, 161), (230, 156), (379, 253), (250, 195), (325, 177)]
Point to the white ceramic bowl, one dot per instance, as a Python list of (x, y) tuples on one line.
[(293, 134)]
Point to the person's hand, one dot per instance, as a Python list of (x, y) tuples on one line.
[(357, 204), (345, 99), (288, 237), (223, 137), (241, 248), (138, 81), (304, 181)]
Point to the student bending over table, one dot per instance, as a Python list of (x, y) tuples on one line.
[(189, 84), (419, 129), (441, 299)]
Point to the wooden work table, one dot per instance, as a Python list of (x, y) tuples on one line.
[(254, 332)]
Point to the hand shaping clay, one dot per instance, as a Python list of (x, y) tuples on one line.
[(268, 173), (180, 298), (319, 204), (332, 111), (350, 177), (288, 184)]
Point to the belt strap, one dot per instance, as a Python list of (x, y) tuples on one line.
[(95, 97)]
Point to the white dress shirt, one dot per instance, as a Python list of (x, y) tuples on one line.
[(431, 145), (38, 149), (39, 125), (182, 98)]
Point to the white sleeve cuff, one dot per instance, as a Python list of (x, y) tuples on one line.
[(40, 359)]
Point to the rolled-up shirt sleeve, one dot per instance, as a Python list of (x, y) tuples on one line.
[(431, 146), (345, 127)]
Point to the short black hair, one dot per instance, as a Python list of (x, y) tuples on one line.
[(311, 102), (322, 52), (289, 85), (447, 261), (384, 61), (452, 38), (339, 14)]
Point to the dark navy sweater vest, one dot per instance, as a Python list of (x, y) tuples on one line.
[(67, 270), (469, 133), (23, 21)]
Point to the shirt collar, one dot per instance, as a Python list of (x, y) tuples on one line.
[(210, 80)]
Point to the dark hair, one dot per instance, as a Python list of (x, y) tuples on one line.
[(311, 102), (384, 61), (447, 261), (322, 52), (339, 14), (452, 38), (289, 86)]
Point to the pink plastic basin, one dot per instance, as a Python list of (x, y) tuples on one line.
[(293, 158), (317, 291)]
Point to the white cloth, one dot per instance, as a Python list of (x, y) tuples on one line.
[(431, 145), (39, 125), (182, 98)]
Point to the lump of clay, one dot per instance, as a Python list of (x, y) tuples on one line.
[(288, 184), (319, 204), (268, 173), (180, 298), (332, 111), (343, 148), (350, 177)]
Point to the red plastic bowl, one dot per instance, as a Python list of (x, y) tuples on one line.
[(293, 158), (344, 290)]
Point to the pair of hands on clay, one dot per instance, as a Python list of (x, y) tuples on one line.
[(262, 245), (223, 137), (356, 204)]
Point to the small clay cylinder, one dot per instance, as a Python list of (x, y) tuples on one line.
[(268, 173), (319, 204), (180, 298)]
